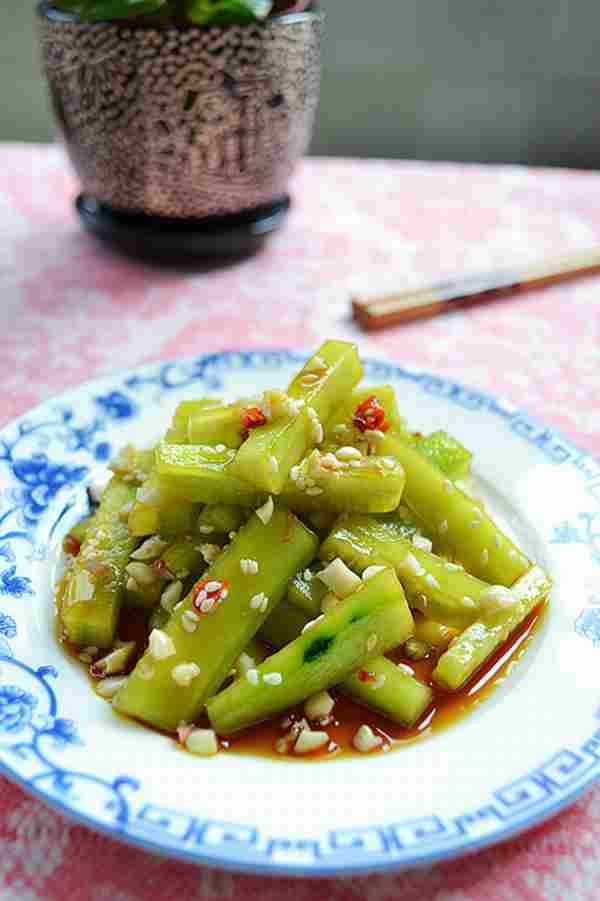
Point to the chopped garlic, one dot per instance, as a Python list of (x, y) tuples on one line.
[(202, 742), (160, 645), (184, 673), (319, 706), (273, 678), (309, 741), (107, 688), (339, 578), (150, 549), (265, 512), (171, 595), (365, 740)]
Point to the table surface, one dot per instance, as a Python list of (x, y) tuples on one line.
[(69, 309)]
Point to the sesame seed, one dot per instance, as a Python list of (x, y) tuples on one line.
[(107, 688), (309, 379), (184, 673), (171, 596), (257, 600), (485, 556), (265, 512), (210, 552), (149, 549), (419, 541), (312, 622), (432, 581), (253, 677), (249, 567), (206, 530), (378, 683), (371, 571), (371, 643), (207, 604), (213, 586), (412, 564), (160, 645), (142, 573), (189, 621), (144, 670), (348, 453), (273, 678)]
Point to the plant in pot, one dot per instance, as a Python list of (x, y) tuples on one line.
[(183, 118)]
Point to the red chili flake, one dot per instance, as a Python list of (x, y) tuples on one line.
[(71, 545), (162, 570), (366, 676), (370, 415), (216, 595), (252, 418)]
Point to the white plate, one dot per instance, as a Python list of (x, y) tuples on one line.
[(526, 752)]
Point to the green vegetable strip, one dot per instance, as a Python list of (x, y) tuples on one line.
[(469, 651), (373, 487), (94, 584), (200, 475), (374, 619), (284, 624), (221, 519), (402, 698), (448, 454), (340, 428), (267, 456), (178, 432), (217, 425), (79, 532), (307, 593), (153, 693), (460, 526), (443, 591)]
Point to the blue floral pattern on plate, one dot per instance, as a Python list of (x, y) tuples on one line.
[(45, 460)]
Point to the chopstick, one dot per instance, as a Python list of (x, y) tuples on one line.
[(380, 312)]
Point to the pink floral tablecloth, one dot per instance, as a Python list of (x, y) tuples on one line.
[(69, 310)]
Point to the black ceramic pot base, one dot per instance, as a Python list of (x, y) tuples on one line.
[(175, 240)]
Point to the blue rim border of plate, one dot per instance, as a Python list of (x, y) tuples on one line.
[(533, 798)]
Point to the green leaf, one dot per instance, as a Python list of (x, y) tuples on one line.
[(102, 10), (227, 12)]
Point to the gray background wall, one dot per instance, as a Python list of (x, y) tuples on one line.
[(517, 80)]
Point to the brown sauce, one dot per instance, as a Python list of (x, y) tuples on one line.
[(446, 709)]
